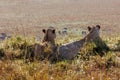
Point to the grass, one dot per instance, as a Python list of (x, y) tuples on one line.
[(84, 67)]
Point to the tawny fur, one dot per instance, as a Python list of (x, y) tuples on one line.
[(38, 49), (71, 50)]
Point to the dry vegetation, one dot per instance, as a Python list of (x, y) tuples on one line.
[(29, 17), (86, 64), (32, 15)]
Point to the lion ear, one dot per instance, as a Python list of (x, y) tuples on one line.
[(98, 26), (53, 31), (44, 31), (89, 28)]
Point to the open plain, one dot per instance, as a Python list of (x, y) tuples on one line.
[(29, 17)]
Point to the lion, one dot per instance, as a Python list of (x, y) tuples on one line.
[(37, 51), (71, 50)]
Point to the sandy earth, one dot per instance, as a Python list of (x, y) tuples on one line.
[(29, 17)]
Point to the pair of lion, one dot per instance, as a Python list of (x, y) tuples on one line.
[(67, 51)]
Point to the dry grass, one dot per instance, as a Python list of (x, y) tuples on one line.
[(84, 67), (31, 16)]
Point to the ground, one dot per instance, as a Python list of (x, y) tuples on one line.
[(28, 17)]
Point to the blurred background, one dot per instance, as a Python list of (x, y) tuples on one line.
[(29, 17)]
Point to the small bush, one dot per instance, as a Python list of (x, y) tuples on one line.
[(87, 51), (16, 47), (94, 48)]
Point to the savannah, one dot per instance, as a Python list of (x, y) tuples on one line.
[(59, 40)]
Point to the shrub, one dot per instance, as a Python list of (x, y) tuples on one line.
[(94, 48), (16, 47), (87, 50)]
